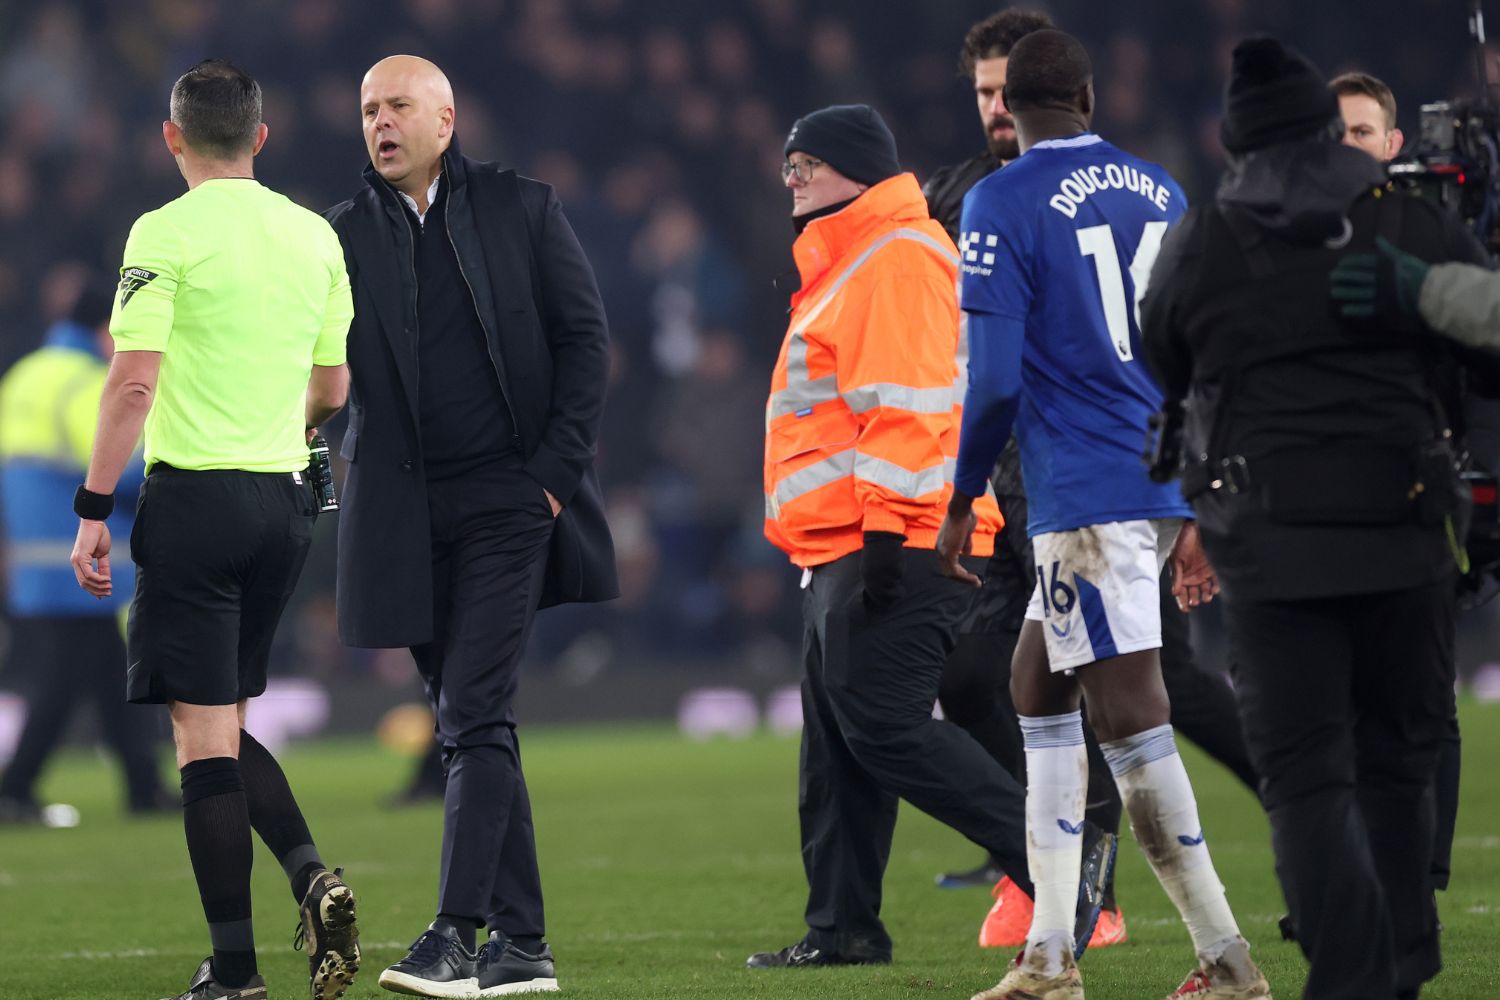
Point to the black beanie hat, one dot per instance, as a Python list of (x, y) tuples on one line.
[(1274, 95), (851, 138)]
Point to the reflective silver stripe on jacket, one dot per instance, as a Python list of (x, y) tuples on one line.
[(938, 399), (801, 392), (850, 461), (810, 477)]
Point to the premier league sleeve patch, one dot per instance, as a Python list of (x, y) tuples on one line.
[(132, 280)]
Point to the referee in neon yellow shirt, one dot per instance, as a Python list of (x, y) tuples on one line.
[(229, 325)]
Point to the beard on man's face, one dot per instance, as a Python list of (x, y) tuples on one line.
[(1004, 146)]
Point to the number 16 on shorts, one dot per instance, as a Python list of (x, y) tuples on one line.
[(1057, 597), (1097, 591)]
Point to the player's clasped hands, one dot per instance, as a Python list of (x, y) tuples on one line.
[(1193, 579), (90, 558)]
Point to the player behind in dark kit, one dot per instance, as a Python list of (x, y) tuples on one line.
[(1056, 245)]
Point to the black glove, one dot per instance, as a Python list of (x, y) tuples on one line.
[(880, 569)]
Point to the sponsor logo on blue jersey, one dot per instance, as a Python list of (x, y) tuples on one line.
[(978, 252)]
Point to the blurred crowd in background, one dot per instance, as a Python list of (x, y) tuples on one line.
[(661, 126)]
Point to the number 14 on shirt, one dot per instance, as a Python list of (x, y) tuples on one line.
[(1098, 242)]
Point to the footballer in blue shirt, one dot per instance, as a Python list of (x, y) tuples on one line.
[(1057, 249)]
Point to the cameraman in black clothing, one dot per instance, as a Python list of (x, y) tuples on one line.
[(1320, 464), (1368, 108)]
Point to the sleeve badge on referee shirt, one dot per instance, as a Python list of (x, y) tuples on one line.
[(132, 280)]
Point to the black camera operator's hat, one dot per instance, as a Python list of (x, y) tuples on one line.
[(1275, 95)]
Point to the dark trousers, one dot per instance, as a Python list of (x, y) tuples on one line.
[(74, 660), (869, 739), (1449, 771), (1203, 707), (489, 549), (1346, 702)]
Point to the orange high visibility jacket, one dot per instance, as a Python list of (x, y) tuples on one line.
[(862, 423)]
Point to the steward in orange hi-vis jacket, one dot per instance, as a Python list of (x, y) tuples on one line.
[(861, 438), (862, 423)]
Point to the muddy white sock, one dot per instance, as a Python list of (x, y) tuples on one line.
[(1056, 793), (1163, 815)]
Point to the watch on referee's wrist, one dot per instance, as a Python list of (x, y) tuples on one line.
[(93, 506)]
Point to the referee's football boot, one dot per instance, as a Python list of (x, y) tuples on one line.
[(1094, 874), (329, 933), (205, 987), (805, 954), (438, 965), (505, 970)]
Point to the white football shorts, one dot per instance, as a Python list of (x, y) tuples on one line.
[(1098, 591)]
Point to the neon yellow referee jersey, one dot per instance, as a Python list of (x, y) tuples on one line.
[(242, 292)]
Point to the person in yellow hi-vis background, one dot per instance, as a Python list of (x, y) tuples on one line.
[(68, 641)]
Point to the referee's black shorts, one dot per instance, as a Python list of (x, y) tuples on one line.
[(217, 556)]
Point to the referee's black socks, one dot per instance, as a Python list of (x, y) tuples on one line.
[(217, 822), (276, 817)]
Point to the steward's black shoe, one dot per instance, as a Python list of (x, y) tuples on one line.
[(438, 965), (330, 935), (983, 877), (505, 970), (1095, 874), (804, 954), (205, 987)]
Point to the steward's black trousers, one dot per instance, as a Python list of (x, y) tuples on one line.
[(869, 738), (1346, 702), (490, 530)]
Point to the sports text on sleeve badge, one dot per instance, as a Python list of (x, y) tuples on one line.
[(132, 280)]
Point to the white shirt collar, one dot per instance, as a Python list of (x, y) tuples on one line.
[(431, 195), (1073, 142)]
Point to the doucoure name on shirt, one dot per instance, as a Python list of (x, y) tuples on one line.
[(1077, 186)]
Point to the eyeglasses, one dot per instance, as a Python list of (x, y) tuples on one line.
[(803, 169)]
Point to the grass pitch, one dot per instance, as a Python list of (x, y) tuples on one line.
[(665, 864)]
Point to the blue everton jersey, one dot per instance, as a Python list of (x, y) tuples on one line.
[(1062, 240)]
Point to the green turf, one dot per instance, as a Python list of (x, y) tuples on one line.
[(665, 864)]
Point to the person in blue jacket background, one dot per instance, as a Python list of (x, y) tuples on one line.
[(66, 640)]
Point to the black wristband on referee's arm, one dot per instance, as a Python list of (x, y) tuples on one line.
[(93, 506)]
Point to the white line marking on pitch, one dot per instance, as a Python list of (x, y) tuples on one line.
[(109, 956)]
